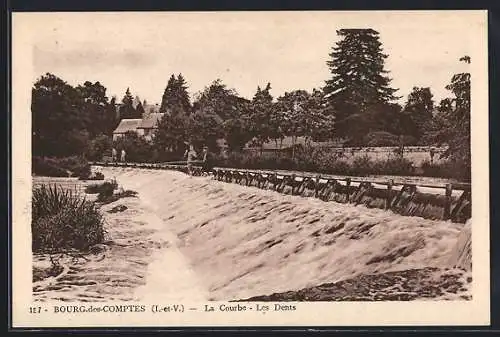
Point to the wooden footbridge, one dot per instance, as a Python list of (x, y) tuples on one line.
[(405, 196)]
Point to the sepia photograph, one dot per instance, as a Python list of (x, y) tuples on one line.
[(250, 161)]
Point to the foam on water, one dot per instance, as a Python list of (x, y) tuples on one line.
[(234, 242)]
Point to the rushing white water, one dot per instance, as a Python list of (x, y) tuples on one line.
[(212, 240)]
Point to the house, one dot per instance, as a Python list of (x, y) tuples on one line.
[(143, 127), (149, 124), (125, 126)]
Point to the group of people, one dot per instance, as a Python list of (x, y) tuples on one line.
[(190, 155), (191, 158), (114, 155)]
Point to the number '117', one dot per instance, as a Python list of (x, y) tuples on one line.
[(35, 310)]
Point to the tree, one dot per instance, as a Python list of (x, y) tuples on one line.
[(168, 100), (127, 110), (264, 117), (112, 119), (359, 79), (453, 121), (236, 129), (219, 98), (320, 119), (182, 94), (58, 127), (175, 97), (94, 107), (140, 110), (136, 147), (218, 112), (204, 128), (294, 108), (171, 134), (418, 112), (99, 147)]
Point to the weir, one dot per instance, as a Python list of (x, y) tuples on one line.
[(451, 201)]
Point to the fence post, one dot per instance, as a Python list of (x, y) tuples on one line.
[(447, 204), (316, 186), (389, 194), (347, 185)]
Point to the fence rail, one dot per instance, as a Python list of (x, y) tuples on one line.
[(448, 201)]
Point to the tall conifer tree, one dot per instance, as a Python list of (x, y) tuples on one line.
[(359, 80)]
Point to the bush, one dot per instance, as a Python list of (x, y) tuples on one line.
[(137, 148), (96, 176), (63, 221), (326, 162), (47, 167), (449, 169), (362, 166), (61, 167), (117, 196), (104, 190), (395, 166), (99, 147)]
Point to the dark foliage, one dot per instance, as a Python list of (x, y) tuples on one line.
[(61, 167), (63, 221)]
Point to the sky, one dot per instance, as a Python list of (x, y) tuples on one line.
[(243, 49)]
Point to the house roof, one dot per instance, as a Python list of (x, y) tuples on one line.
[(150, 121), (127, 125)]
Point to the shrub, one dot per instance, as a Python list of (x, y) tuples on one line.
[(362, 166), (78, 166), (99, 147), (47, 167), (96, 176), (117, 196), (326, 162), (395, 166), (61, 167), (107, 190), (448, 169), (137, 148), (104, 190), (63, 221)]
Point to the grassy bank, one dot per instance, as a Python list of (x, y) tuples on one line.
[(63, 221)]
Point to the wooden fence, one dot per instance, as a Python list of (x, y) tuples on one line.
[(447, 201)]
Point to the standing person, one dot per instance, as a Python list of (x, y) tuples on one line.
[(207, 162), (114, 155), (123, 155), (191, 156)]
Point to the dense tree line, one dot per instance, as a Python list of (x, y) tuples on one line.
[(357, 104)]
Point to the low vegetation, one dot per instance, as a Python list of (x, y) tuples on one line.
[(64, 221), (105, 189), (73, 166), (116, 196), (328, 163), (106, 192)]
